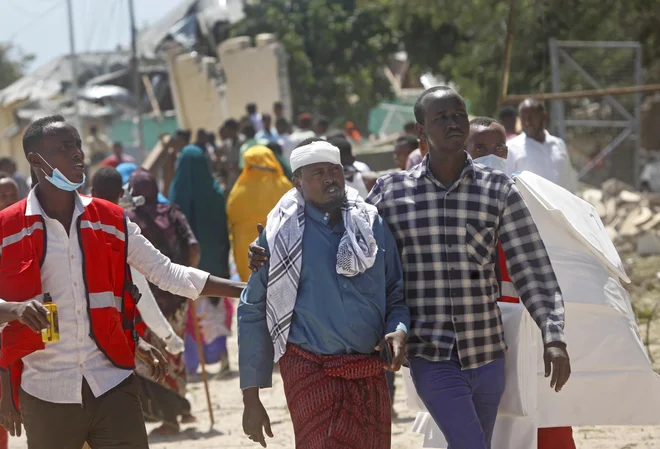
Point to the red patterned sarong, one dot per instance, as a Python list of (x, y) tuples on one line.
[(337, 401)]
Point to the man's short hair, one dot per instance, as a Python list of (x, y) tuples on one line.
[(323, 121), (184, 135), (305, 120), (531, 103), (251, 108), (107, 183), (34, 134), (482, 121), (265, 117), (248, 130), (278, 104), (419, 104), (409, 126), (7, 161), (410, 141), (282, 123), (275, 147), (507, 112), (231, 124)]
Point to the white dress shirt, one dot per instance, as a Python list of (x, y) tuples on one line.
[(548, 159), (361, 166), (55, 374), (148, 308)]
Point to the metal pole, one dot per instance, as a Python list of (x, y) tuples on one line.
[(638, 115), (627, 90), (136, 81), (506, 66), (558, 113), (74, 66)]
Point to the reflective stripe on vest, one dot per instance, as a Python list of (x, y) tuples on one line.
[(15, 238), (508, 289), (98, 226), (103, 300)]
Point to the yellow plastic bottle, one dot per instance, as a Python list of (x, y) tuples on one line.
[(52, 333)]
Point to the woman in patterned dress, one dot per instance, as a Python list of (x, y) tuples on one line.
[(166, 227)]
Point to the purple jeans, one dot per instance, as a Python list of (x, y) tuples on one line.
[(463, 403)]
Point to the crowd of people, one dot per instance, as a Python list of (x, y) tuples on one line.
[(352, 276)]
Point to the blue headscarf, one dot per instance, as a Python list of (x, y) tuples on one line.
[(126, 169), (202, 201)]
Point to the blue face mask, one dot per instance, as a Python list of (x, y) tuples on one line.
[(492, 161), (59, 180)]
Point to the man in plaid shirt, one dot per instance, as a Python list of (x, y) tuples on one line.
[(447, 215)]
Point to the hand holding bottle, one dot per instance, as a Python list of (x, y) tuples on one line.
[(31, 313)]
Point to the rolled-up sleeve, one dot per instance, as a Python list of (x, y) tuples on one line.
[(255, 347), (160, 270)]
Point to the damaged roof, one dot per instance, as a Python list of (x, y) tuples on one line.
[(180, 23), (54, 77)]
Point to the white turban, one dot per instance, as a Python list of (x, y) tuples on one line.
[(315, 152)]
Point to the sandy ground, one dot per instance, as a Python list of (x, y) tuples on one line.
[(227, 432)]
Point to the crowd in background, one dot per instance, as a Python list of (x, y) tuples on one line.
[(214, 191)]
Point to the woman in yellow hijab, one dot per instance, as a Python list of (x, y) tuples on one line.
[(260, 186)]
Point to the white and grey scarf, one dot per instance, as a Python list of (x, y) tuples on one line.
[(284, 234)]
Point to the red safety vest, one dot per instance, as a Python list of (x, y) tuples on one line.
[(102, 235), (508, 291)]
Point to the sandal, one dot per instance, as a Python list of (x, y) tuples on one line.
[(188, 418), (167, 429)]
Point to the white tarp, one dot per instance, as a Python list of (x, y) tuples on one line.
[(612, 380)]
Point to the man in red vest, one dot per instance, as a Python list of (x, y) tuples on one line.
[(487, 145), (77, 250)]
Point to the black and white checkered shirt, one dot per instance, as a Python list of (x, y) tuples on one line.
[(448, 244)]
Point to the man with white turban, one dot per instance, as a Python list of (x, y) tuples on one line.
[(327, 300)]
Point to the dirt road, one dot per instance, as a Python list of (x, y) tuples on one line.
[(227, 432)]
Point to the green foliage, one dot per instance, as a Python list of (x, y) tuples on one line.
[(339, 47), (11, 69), (337, 52), (464, 41)]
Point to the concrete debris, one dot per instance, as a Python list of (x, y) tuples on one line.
[(629, 197), (631, 218), (648, 244), (613, 187)]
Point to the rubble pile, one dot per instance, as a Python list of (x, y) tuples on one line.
[(631, 218)]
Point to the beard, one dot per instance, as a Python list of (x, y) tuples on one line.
[(331, 206)]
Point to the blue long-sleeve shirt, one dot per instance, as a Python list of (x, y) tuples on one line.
[(333, 314)]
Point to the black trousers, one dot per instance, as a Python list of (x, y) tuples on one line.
[(111, 421)]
